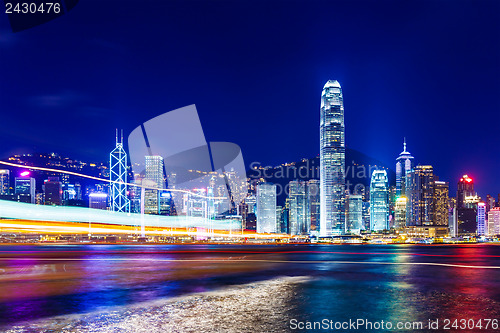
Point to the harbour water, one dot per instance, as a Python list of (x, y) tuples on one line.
[(248, 288)]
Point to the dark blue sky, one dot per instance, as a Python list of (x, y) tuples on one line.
[(427, 70)]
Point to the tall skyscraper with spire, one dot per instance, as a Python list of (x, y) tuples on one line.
[(332, 160), (404, 163), (118, 177)]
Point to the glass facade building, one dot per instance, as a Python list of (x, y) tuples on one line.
[(404, 163), (441, 203), (4, 182), (379, 201), (332, 160), (266, 208), (313, 203), (25, 189), (355, 214), (298, 208), (481, 219), (420, 194), (154, 177)]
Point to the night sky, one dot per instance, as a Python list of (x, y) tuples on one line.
[(425, 70)]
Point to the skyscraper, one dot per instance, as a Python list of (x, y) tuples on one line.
[(379, 201), (266, 208), (98, 200), (118, 176), (52, 188), (332, 160), (4, 182), (465, 188), (154, 180), (494, 221), (404, 163), (466, 207), (482, 228), (25, 188), (400, 213), (298, 208), (313, 203), (420, 195), (354, 213), (441, 203)]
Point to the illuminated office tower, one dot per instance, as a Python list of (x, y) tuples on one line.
[(266, 208), (354, 214), (251, 201), (366, 214), (279, 219), (441, 203), (154, 180), (332, 160), (4, 182), (482, 229), (400, 213), (25, 188), (379, 201), (313, 204), (404, 163), (298, 208), (135, 194), (465, 188), (118, 176), (420, 195), (52, 189), (490, 202), (494, 221), (98, 200), (197, 203), (466, 207)]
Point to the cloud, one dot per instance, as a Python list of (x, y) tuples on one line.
[(57, 100)]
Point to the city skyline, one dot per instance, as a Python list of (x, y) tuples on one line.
[(383, 71)]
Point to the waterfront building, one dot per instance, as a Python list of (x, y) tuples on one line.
[(404, 164), (441, 202), (466, 221), (251, 201), (400, 213), (494, 221), (118, 177), (379, 201), (482, 229), (467, 200), (299, 220), (155, 181), (266, 208), (366, 214), (4, 182), (197, 204), (98, 200), (332, 160), (279, 219), (355, 214), (24, 188), (420, 194), (465, 188), (52, 189), (313, 203)]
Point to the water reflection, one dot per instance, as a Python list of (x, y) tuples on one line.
[(377, 283)]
